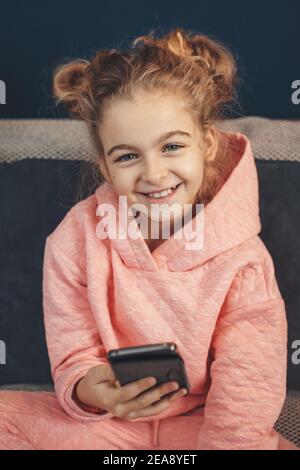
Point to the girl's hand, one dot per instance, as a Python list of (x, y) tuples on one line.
[(100, 389)]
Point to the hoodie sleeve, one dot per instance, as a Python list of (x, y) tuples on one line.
[(249, 361), (73, 340)]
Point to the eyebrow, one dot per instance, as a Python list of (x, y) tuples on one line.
[(160, 139)]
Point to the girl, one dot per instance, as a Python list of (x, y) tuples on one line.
[(152, 116)]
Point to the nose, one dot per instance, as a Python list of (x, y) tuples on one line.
[(154, 172)]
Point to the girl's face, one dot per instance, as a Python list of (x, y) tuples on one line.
[(142, 156)]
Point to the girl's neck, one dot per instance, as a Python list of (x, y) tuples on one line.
[(154, 243)]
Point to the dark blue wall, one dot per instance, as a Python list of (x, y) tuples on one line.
[(35, 36)]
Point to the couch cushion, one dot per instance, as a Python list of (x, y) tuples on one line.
[(29, 387), (288, 423)]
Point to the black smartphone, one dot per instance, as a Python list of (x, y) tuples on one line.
[(161, 361)]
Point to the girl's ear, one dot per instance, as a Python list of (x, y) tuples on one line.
[(210, 139)]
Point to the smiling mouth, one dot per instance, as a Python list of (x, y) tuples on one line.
[(163, 198)]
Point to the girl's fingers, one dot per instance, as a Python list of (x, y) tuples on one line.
[(181, 393), (133, 389), (157, 407), (151, 396)]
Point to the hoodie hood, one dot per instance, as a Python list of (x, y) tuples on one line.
[(229, 219)]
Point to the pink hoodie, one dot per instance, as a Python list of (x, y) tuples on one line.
[(220, 304)]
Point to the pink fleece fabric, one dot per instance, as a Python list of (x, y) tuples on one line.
[(220, 304)]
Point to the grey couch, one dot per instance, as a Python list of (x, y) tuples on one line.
[(43, 164)]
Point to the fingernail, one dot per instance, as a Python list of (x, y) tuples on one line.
[(152, 381), (184, 391)]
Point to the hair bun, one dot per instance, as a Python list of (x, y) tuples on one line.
[(213, 56), (216, 57), (69, 83), (216, 61)]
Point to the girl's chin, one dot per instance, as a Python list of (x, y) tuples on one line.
[(158, 212)]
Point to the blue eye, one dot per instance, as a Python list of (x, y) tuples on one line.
[(122, 156), (128, 154), (174, 145)]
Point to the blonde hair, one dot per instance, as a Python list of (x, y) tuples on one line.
[(200, 68)]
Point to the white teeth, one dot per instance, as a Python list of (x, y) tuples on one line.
[(162, 194)]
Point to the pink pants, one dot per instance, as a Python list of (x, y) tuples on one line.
[(36, 421)]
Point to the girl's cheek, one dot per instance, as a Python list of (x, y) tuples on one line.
[(122, 185)]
